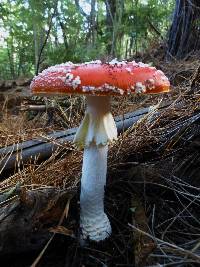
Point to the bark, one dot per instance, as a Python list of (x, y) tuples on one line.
[(110, 13), (11, 60), (36, 46), (62, 23), (114, 13), (62, 26), (25, 217), (93, 22), (10, 47), (184, 34)]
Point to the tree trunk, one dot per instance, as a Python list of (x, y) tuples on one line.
[(11, 60), (36, 45), (114, 13), (110, 12), (62, 26), (185, 31), (93, 22)]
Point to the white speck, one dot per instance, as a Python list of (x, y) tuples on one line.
[(115, 62), (160, 72), (150, 84), (165, 79), (76, 82), (142, 65), (88, 88), (128, 69), (102, 89), (140, 88), (121, 91), (66, 71), (152, 68), (92, 62), (63, 79), (58, 68), (69, 76)]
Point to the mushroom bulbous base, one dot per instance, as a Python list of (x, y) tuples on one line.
[(95, 229)]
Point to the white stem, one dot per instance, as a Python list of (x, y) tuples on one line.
[(93, 221), (95, 132)]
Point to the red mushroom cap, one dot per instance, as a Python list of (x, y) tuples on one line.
[(96, 78)]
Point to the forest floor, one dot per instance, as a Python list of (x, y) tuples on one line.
[(152, 194)]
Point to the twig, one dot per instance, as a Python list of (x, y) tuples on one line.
[(177, 249), (65, 214)]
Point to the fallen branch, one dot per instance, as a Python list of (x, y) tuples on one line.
[(43, 148)]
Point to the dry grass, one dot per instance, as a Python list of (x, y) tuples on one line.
[(30, 125)]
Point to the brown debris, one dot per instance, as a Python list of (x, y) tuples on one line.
[(143, 245), (26, 218)]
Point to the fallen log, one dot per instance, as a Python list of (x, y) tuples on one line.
[(25, 219), (41, 149)]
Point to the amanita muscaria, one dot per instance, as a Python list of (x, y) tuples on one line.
[(98, 82)]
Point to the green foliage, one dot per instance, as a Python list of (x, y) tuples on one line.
[(74, 36)]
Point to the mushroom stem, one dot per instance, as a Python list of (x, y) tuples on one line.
[(95, 132), (94, 222)]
